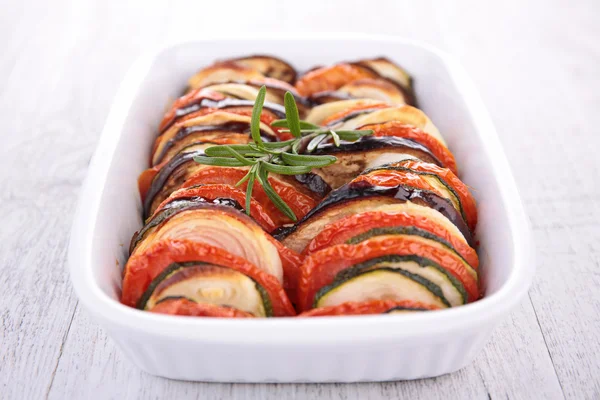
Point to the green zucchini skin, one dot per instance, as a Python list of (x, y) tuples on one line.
[(404, 230), (369, 265), (176, 267), (431, 174), (346, 276)]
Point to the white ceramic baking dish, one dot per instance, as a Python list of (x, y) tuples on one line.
[(347, 349)]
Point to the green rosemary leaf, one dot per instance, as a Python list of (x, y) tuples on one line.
[(218, 161), (304, 126), (352, 136), (286, 169), (291, 114), (278, 145), (221, 150), (261, 174), (238, 156), (244, 179), (308, 160), (255, 120), (336, 138), (251, 178), (312, 145), (295, 146)]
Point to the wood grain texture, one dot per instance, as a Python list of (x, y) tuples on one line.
[(536, 65)]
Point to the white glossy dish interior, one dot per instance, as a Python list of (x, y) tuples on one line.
[(286, 349)]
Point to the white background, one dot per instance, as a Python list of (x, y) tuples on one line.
[(536, 64)]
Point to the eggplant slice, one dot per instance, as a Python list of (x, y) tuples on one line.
[(210, 284), (225, 227), (192, 130), (171, 176), (223, 72), (436, 181), (270, 66), (368, 152), (387, 69), (201, 103), (248, 90), (354, 198)]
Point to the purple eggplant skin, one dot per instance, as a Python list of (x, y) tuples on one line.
[(364, 191)]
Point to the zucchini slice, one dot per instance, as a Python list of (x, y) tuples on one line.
[(211, 284), (451, 288), (203, 125), (381, 284)]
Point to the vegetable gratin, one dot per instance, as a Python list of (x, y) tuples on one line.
[(274, 194)]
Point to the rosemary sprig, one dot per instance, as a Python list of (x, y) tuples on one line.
[(290, 157)]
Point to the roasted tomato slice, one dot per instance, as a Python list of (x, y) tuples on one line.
[(264, 217), (339, 232), (299, 202), (399, 129), (321, 268), (141, 269), (367, 307), (183, 306), (390, 176), (331, 78), (192, 97)]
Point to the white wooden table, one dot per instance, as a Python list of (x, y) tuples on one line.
[(536, 63)]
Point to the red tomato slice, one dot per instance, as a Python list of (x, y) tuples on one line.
[(182, 306), (363, 308), (146, 177), (410, 132), (299, 202), (142, 268), (320, 268), (346, 228), (187, 99), (330, 78)]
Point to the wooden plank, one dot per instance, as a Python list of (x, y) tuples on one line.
[(544, 115)]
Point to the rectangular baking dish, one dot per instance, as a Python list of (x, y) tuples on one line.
[(347, 349)]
